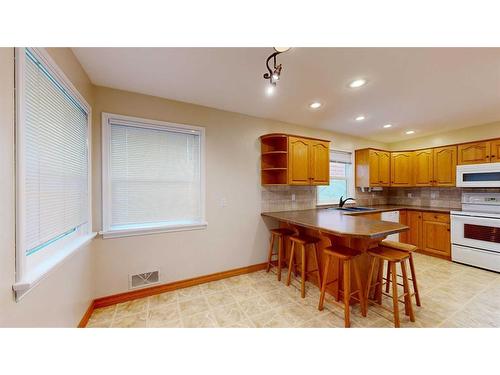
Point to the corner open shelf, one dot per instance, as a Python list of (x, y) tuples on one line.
[(274, 159)]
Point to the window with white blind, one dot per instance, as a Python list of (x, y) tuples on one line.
[(153, 176), (52, 142), (341, 179)]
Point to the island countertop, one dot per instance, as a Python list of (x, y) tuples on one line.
[(338, 223)]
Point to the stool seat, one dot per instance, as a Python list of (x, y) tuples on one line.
[(304, 239), (388, 254), (408, 249), (341, 252), (398, 246), (282, 231)]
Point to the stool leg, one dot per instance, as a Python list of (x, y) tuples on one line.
[(303, 272), (347, 292), (323, 284), (361, 292), (292, 256), (388, 279), (414, 280), (270, 256), (395, 302), (280, 255), (407, 291), (317, 263), (370, 277), (339, 281), (380, 280)]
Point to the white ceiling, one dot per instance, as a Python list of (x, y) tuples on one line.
[(425, 89)]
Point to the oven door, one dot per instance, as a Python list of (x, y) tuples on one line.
[(478, 175), (477, 232)]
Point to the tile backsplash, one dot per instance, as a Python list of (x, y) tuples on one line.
[(279, 198)]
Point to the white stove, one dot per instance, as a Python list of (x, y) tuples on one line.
[(475, 231)]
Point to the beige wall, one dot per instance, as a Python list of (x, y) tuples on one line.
[(236, 235), (61, 299), (470, 134)]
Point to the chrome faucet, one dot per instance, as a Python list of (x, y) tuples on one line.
[(342, 201)]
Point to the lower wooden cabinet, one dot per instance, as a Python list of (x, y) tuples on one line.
[(429, 231)]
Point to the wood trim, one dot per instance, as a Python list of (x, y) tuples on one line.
[(292, 135), (432, 147), (433, 254), (87, 315), (146, 292)]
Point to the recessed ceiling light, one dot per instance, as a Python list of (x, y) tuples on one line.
[(315, 105), (410, 132), (360, 118), (357, 83), (387, 125)]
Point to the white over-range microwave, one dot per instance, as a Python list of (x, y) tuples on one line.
[(478, 175)]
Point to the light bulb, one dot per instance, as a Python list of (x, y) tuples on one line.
[(270, 90)]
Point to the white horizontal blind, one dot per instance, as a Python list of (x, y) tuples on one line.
[(56, 159), (155, 176), (340, 157)]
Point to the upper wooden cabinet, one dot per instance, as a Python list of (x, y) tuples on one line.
[(401, 165), (320, 162), (495, 151), (373, 168), (445, 166), (429, 167), (294, 160), (299, 161), (474, 153), (479, 152), (423, 167)]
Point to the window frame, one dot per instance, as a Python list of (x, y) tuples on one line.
[(351, 191), (53, 254), (107, 231)]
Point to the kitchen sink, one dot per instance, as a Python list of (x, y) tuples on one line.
[(352, 209)]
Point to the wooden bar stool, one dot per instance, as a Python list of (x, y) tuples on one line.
[(393, 257), (282, 234), (345, 256), (300, 242), (407, 248)]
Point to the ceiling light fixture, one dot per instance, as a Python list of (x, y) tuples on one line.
[(388, 126), (357, 83), (274, 72), (360, 118), (410, 132), (315, 105), (270, 90)]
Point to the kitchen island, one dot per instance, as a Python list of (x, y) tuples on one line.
[(336, 227)]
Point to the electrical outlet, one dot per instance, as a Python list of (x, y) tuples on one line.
[(433, 195), (293, 197), (223, 202), (410, 195)]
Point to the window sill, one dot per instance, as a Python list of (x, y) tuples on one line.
[(151, 230), (22, 287)]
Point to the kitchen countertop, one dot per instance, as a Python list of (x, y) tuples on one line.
[(351, 224), (395, 207), (338, 223)]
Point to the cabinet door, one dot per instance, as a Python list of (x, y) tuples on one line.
[(400, 167), (320, 162), (414, 234), (384, 168), (495, 151), (374, 163), (474, 153), (445, 166), (403, 219), (423, 167), (298, 161), (436, 238)]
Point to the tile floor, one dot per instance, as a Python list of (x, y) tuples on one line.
[(452, 295)]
